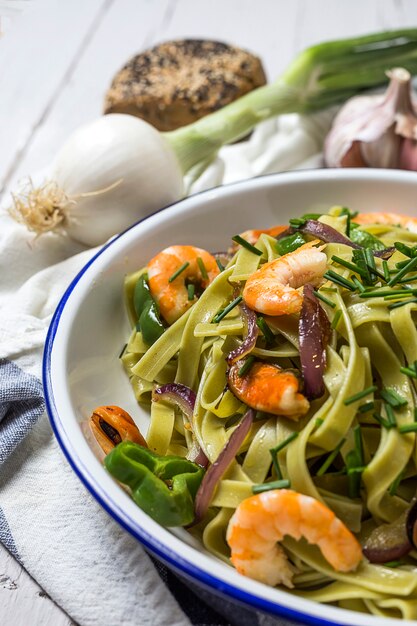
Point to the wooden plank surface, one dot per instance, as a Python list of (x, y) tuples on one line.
[(57, 59)]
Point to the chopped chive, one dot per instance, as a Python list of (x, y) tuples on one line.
[(324, 299), (202, 267), (399, 296), (327, 463), (408, 428), (220, 265), (382, 293), (359, 258), (370, 262), (178, 272), (245, 244), (336, 319), (404, 249), (217, 318), (276, 484), (410, 266), (403, 303), (381, 421), (385, 267), (319, 421), (350, 266), (409, 371), (393, 564), (358, 443), (123, 351), (396, 483), (368, 406), (296, 222), (360, 395), (356, 470), (354, 477), (274, 452), (246, 366), (191, 291), (401, 264), (358, 284), (266, 331), (339, 280), (390, 414), (408, 279), (393, 397)]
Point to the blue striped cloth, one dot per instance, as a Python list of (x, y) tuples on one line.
[(21, 404)]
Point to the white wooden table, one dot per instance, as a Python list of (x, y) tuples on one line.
[(57, 58)]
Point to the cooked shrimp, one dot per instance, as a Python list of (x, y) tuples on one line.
[(272, 289), (172, 297), (267, 387), (260, 521), (111, 425), (252, 236), (391, 219)]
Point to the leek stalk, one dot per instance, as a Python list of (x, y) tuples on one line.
[(320, 76)]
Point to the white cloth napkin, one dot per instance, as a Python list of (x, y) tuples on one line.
[(91, 567)]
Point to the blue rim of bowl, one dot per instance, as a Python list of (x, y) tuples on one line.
[(174, 560)]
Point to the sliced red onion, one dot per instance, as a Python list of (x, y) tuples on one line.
[(326, 233), (385, 254), (388, 542), (184, 398), (215, 472), (411, 524), (174, 393), (252, 331), (314, 332)]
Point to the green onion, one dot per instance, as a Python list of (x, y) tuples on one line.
[(319, 77), (400, 265), (385, 267), (327, 463), (383, 293), (393, 398), (266, 331), (408, 371), (339, 280), (324, 299), (358, 284), (220, 265), (408, 428), (246, 366), (350, 266), (406, 250), (396, 483), (202, 267), (409, 266), (191, 291), (390, 414), (398, 304), (245, 244), (360, 395), (358, 443), (221, 314), (296, 222), (354, 471), (274, 452), (178, 272), (393, 564), (336, 319), (383, 422), (370, 262), (368, 406), (408, 279), (276, 484)]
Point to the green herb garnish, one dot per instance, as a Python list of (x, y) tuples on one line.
[(178, 272), (276, 484), (360, 395), (327, 463), (245, 244), (221, 314)]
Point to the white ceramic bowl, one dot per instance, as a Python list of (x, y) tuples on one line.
[(90, 327)]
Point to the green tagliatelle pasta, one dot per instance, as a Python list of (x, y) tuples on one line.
[(353, 448)]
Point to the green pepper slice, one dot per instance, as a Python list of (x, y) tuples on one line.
[(289, 243), (162, 486), (149, 322), (364, 239)]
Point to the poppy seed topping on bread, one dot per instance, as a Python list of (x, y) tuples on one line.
[(177, 82)]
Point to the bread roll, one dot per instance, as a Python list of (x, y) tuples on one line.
[(177, 82)]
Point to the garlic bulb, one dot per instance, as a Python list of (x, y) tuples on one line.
[(377, 130), (108, 175)]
